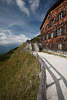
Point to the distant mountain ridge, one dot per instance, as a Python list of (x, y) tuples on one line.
[(6, 48)]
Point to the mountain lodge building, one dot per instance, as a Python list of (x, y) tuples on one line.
[(54, 27)]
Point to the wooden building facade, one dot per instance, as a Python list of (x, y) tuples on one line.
[(54, 27)]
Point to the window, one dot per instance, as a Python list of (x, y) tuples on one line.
[(59, 32), (51, 22), (55, 33), (47, 36), (52, 35), (61, 15), (60, 46), (43, 38), (47, 26)]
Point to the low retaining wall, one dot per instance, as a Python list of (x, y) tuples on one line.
[(56, 51), (42, 86)]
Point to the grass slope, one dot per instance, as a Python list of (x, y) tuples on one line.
[(36, 39), (19, 76)]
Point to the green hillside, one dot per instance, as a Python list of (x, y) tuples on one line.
[(36, 39), (19, 75)]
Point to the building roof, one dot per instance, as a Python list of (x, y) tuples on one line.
[(52, 8)]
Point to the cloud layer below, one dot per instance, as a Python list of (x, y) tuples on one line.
[(6, 37)]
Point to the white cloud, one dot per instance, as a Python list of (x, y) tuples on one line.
[(21, 4), (34, 4), (6, 37), (9, 1)]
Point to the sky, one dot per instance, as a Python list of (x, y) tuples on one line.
[(20, 20)]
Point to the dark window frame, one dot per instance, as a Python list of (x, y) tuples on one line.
[(61, 15)]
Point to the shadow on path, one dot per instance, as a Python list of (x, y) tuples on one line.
[(62, 77), (56, 81)]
